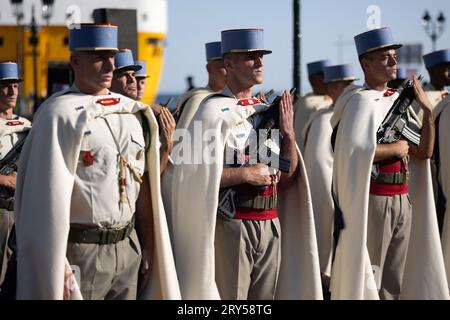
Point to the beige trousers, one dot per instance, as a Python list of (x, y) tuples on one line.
[(247, 256), (6, 224), (107, 272), (388, 231)]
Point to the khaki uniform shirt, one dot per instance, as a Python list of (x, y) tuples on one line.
[(243, 135), (96, 197), (10, 134)]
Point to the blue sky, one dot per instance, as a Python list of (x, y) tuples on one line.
[(324, 22)]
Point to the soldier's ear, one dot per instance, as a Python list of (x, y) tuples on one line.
[(74, 60), (365, 62), (227, 63)]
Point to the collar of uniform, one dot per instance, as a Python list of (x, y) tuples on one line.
[(227, 92), (74, 89), (387, 92)]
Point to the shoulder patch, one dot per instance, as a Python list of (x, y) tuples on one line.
[(106, 102), (248, 102), (14, 123), (389, 92)]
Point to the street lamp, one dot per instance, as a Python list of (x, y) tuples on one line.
[(297, 75), (433, 28), (17, 10), (47, 13), (47, 10)]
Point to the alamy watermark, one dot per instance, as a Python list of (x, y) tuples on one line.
[(73, 17), (200, 146), (376, 276), (374, 19)]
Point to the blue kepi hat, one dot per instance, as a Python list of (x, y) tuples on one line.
[(375, 40), (142, 73), (93, 37), (341, 72), (8, 72), (317, 67), (123, 60), (213, 50), (243, 40), (436, 58)]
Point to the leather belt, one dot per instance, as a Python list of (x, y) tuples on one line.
[(100, 235), (392, 178), (258, 202)]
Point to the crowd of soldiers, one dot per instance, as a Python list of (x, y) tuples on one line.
[(115, 199)]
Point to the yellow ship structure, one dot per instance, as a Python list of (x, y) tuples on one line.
[(51, 72)]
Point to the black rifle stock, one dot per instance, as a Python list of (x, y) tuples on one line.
[(9, 164), (270, 121), (395, 125)]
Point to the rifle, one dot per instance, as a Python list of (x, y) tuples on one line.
[(264, 96), (270, 121), (9, 164), (396, 124)]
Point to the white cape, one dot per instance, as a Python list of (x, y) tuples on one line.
[(352, 278), (435, 96), (442, 110), (319, 165), (188, 103), (304, 107), (193, 198), (44, 189)]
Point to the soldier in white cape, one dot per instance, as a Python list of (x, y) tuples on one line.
[(358, 114), (193, 217), (13, 129), (442, 152), (188, 103), (318, 156), (79, 182), (313, 101), (438, 67)]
